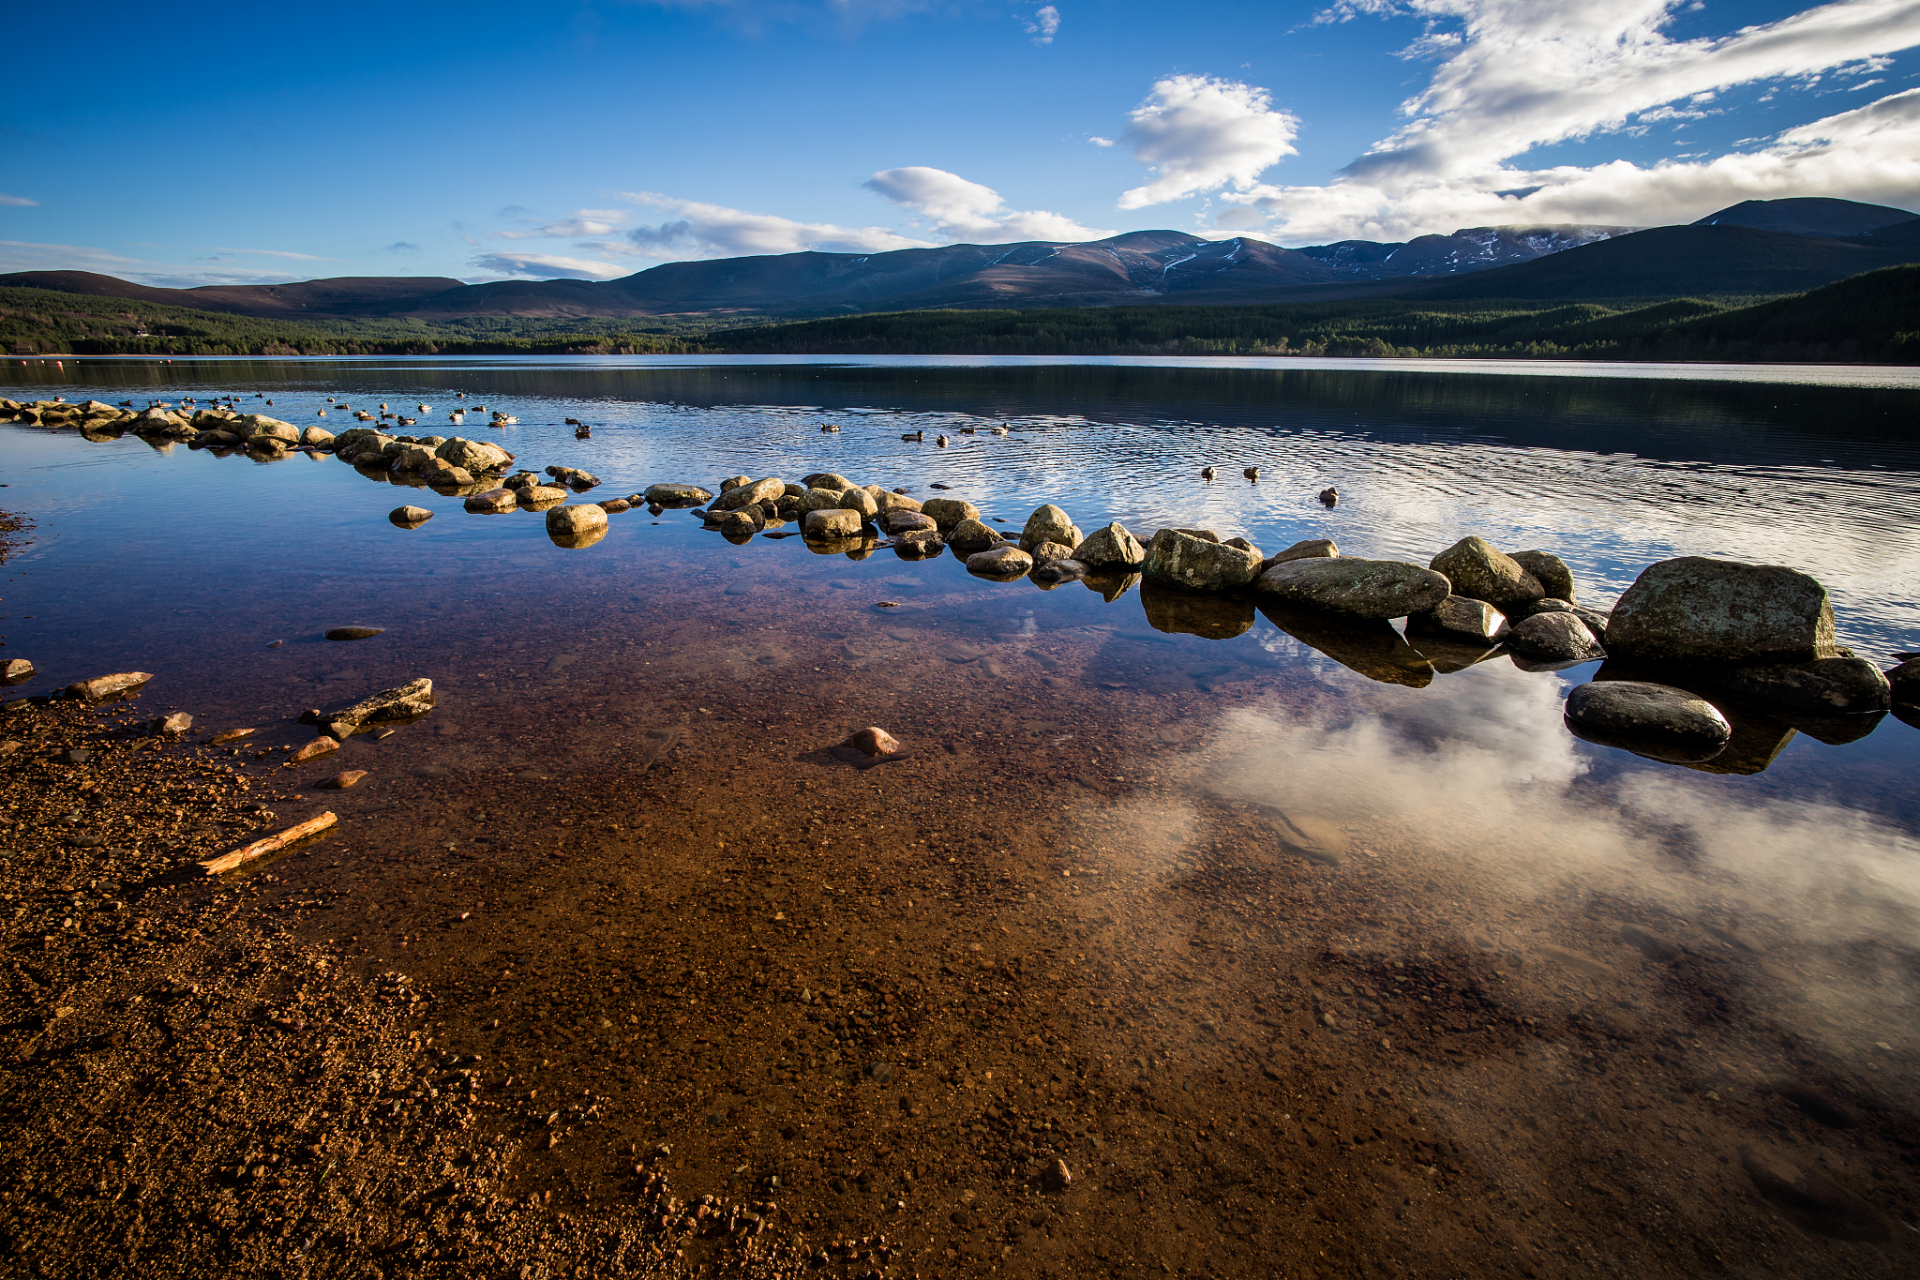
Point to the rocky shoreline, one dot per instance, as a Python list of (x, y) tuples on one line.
[(1690, 632)]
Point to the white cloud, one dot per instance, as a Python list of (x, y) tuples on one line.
[(278, 253), (584, 222), (1201, 134), (1045, 22), (1099, 141), (20, 255), (697, 230), (1521, 75), (960, 210), (547, 266), (16, 200)]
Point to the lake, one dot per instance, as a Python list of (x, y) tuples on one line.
[(1298, 958)]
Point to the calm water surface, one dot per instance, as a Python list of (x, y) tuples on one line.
[(1492, 825)]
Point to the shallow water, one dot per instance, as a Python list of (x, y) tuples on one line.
[(1125, 780)]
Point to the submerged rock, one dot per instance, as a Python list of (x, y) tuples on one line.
[(16, 671), (493, 502), (409, 517), (402, 704), (353, 633), (1697, 609), (1478, 569), (1178, 558), (1055, 572), (1112, 547), (1375, 589)]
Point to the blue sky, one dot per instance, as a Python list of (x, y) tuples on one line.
[(215, 143)]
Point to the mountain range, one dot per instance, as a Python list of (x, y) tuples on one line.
[(1757, 247)]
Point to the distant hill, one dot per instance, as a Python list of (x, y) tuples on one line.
[(1807, 216), (338, 298), (1673, 261)]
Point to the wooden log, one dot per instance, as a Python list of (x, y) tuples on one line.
[(272, 844)]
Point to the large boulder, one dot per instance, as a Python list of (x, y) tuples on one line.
[(754, 491), (818, 500), (948, 512), (827, 480), (970, 536), (253, 426), (1377, 589), (1049, 523), (1462, 617), (1479, 570), (1111, 548), (1549, 570), (475, 455), (887, 500), (899, 522), (828, 523), (1697, 609), (1832, 686), (859, 500), (317, 437), (1176, 558), (1635, 709), (1048, 552), (1557, 638)]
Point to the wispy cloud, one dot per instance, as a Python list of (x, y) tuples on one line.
[(1513, 76), (547, 266), (1200, 134), (21, 255), (694, 229), (402, 246), (967, 211), (278, 253), (584, 222), (17, 200)]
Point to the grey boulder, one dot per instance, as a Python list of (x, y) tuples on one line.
[(1111, 547), (1637, 709), (1478, 569), (576, 519), (1554, 637), (1378, 589), (970, 536), (1835, 686), (948, 512), (1549, 570), (1310, 549), (1176, 558), (1697, 609), (1460, 616), (770, 490), (1004, 561), (668, 495), (1049, 523), (828, 523)]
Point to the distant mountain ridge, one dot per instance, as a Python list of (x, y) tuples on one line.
[(1755, 247)]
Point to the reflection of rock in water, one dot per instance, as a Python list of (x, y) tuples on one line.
[(1213, 617), (577, 541), (1757, 740), (1834, 731), (1110, 586), (1449, 654), (1374, 649)]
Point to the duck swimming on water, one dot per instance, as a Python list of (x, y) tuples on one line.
[(1209, 473)]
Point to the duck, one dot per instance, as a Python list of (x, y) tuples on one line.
[(1209, 473), (426, 408), (1000, 430), (941, 441), (1251, 473), (1330, 497), (583, 432), (573, 422), (969, 431), (828, 427), (917, 436)]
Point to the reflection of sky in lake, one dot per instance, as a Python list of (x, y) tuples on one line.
[(1609, 473)]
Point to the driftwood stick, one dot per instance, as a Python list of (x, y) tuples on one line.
[(261, 848)]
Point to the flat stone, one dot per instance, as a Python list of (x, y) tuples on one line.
[(493, 502), (172, 725), (1368, 589), (320, 746), (118, 685), (1310, 549), (230, 735), (353, 633), (400, 704), (676, 495), (899, 522), (1697, 609), (342, 781), (1636, 708)]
